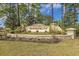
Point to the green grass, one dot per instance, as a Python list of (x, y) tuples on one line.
[(21, 48)]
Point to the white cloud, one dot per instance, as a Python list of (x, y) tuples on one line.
[(48, 11), (56, 5), (49, 5), (47, 8)]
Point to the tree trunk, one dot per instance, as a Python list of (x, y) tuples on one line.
[(52, 14), (18, 14)]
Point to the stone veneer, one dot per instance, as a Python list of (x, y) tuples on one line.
[(38, 38)]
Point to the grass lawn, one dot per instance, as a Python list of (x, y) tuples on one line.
[(21, 48)]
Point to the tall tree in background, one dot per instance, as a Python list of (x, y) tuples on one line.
[(34, 12), (9, 10), (70, 15), (12, 20), (23, 12), (18, 14), (52, 13), (62, 16), (15, 13)]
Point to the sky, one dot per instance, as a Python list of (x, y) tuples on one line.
[(46, 10)]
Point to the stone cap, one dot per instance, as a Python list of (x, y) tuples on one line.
[(71, 29), (38, 26)]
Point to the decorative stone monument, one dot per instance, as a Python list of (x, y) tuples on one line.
[(72, 32), (37, 28)]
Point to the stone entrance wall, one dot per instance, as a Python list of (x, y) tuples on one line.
[(71, 34), (38, 38)]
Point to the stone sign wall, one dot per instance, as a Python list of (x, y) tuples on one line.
[(38, 38)]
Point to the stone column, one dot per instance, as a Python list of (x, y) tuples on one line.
[(72, 32)]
